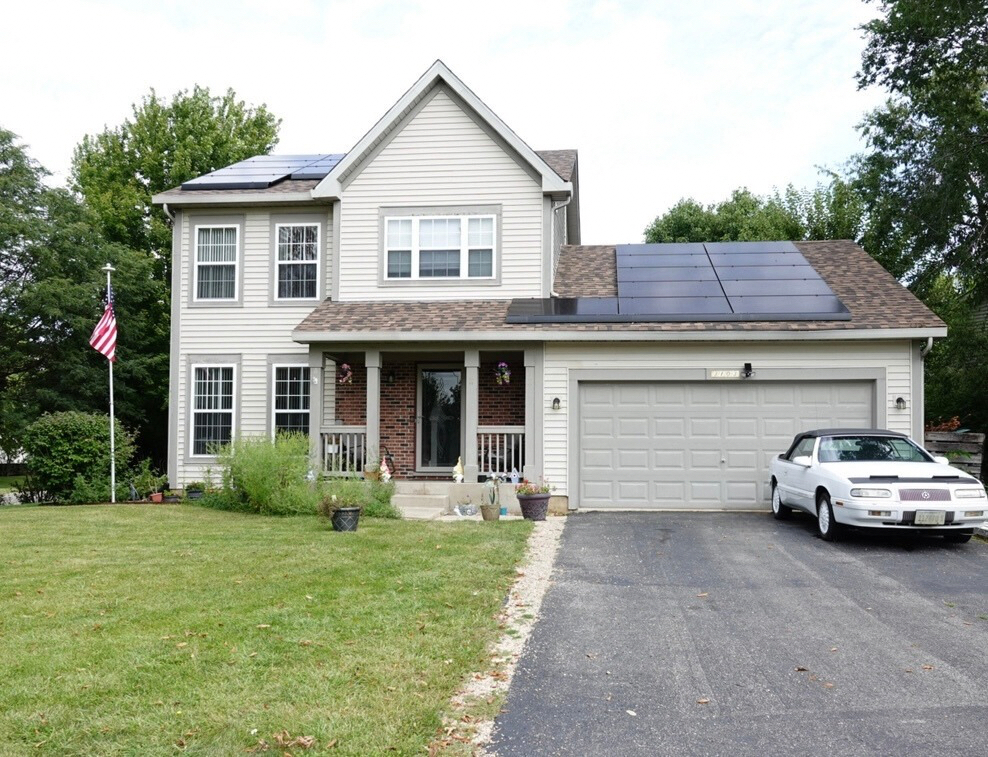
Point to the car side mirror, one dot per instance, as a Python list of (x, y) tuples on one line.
[(805, 460), (941, 460)]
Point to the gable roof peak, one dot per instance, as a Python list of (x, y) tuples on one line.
[(438, 72)]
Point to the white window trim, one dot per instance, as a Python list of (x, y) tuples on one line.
[(274, 394), (464, 246), (278, 263), (192, 408), (196, 263)]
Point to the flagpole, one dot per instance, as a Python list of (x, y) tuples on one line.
[(113, 457)]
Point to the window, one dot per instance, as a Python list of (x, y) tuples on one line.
[(291, 398), (440, 247), (212, 414), (297, 261), (216, 262)]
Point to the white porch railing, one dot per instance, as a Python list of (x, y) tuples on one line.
[(344, 450), (500, 448)]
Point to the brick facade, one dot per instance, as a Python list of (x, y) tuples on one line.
[(499, 404)]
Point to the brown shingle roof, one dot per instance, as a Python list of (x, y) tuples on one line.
[(282, 187), (874, 297), (560, 161)]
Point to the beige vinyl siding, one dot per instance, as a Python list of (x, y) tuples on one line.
[(895, 358), (250, 332), (441, 158)]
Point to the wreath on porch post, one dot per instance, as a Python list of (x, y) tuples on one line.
[(502, 374)]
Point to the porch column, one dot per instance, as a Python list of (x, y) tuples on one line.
[(534, 409), (315, 410), (372, 359), (471, 408)]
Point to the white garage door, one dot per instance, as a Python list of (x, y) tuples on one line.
[(700, 445)]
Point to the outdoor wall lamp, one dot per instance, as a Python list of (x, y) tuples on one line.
[(389, 377), (747, 371), (900, 403), (555, 403)]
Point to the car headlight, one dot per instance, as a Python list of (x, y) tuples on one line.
[(966, 493), (871, 493)]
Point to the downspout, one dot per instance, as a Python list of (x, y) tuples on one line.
[(924, 351), (552, 235), (171, 216)]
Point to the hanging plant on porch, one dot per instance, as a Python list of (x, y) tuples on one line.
[(502, 374), (346, 374)]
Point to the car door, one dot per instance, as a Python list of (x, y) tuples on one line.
[(793, 482)]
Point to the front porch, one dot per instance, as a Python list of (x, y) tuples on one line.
[(422, 410)]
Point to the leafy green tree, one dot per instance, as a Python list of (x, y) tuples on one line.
[(161, 146), (832, 211), (924, 176)]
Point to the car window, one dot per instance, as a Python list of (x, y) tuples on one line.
[(804, 448), (869, 449)]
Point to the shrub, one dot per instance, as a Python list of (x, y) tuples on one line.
[(68, 457), (146, 481), (379, 504), (266, 476)]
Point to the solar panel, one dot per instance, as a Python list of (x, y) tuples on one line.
[(263, 171), (687, 282)]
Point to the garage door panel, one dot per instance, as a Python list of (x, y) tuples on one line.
[(660, 445)]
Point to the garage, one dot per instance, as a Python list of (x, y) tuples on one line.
[(702, 444)]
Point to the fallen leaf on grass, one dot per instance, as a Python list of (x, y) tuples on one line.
[(181, 644), (264, 625)]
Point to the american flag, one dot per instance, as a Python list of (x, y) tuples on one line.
[(104, 338)]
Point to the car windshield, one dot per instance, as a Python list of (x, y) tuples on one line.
[(835, 449)]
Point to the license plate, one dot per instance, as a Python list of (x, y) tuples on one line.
[(929, 518)]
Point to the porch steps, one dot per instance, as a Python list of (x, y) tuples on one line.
[(421, 506)]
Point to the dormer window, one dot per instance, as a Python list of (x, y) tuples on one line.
[(440, 247)]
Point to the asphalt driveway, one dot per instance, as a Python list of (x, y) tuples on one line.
[(724, 634)]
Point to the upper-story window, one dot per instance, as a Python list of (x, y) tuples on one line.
[(216, 262), (297, 261), (447, 247)]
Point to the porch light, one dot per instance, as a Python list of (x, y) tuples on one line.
[(555, 403), (900, 403), (389, 377)]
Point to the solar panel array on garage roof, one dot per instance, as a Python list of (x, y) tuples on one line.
[(723, 281), (263, 171)]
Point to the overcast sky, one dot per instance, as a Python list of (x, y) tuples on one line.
[(663, 100)]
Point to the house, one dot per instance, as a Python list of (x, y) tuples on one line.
[(426, 297)]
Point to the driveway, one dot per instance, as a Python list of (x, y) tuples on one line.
[(734, 634)]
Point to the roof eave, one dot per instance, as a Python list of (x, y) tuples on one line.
[(196, 198), (561, 335)]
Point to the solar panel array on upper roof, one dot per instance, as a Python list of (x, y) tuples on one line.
[(723, 281), (263, 171)]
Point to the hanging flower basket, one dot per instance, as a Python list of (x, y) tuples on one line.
[(346, 374), (502, 374)]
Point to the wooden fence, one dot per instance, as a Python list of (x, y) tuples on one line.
[(963, 450)]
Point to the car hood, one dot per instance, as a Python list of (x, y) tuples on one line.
[(857, 470)]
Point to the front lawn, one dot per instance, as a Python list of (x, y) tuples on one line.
[(153, 629), (9, 483)]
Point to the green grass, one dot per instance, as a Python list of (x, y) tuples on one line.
[(133, 630), (9, 483)]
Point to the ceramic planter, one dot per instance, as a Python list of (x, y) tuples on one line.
[(534, 506)]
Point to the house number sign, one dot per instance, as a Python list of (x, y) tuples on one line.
[(724, 374)]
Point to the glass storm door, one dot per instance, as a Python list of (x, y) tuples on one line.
[(439, 418)]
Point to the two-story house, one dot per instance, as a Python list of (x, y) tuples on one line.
[(425, 297)]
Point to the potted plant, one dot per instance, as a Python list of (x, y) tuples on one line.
[(194, 489), (342, 502), (533, 498), (490, 502)]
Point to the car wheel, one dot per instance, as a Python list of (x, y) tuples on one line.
[(779, 510), (958, 537), (827, 527)]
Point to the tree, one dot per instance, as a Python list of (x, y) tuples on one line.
[(925, 174), (163, 145), (832, 211)]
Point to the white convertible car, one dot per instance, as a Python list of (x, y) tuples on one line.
[(875, 479)]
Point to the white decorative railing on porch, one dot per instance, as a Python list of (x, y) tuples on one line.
[(344, 450), (500, 448)]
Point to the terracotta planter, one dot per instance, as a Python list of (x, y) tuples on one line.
[(157, 496), (534, 506)]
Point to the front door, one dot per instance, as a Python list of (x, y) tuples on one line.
[(440, 431)]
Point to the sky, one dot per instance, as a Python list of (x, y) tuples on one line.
[(664, 99)]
